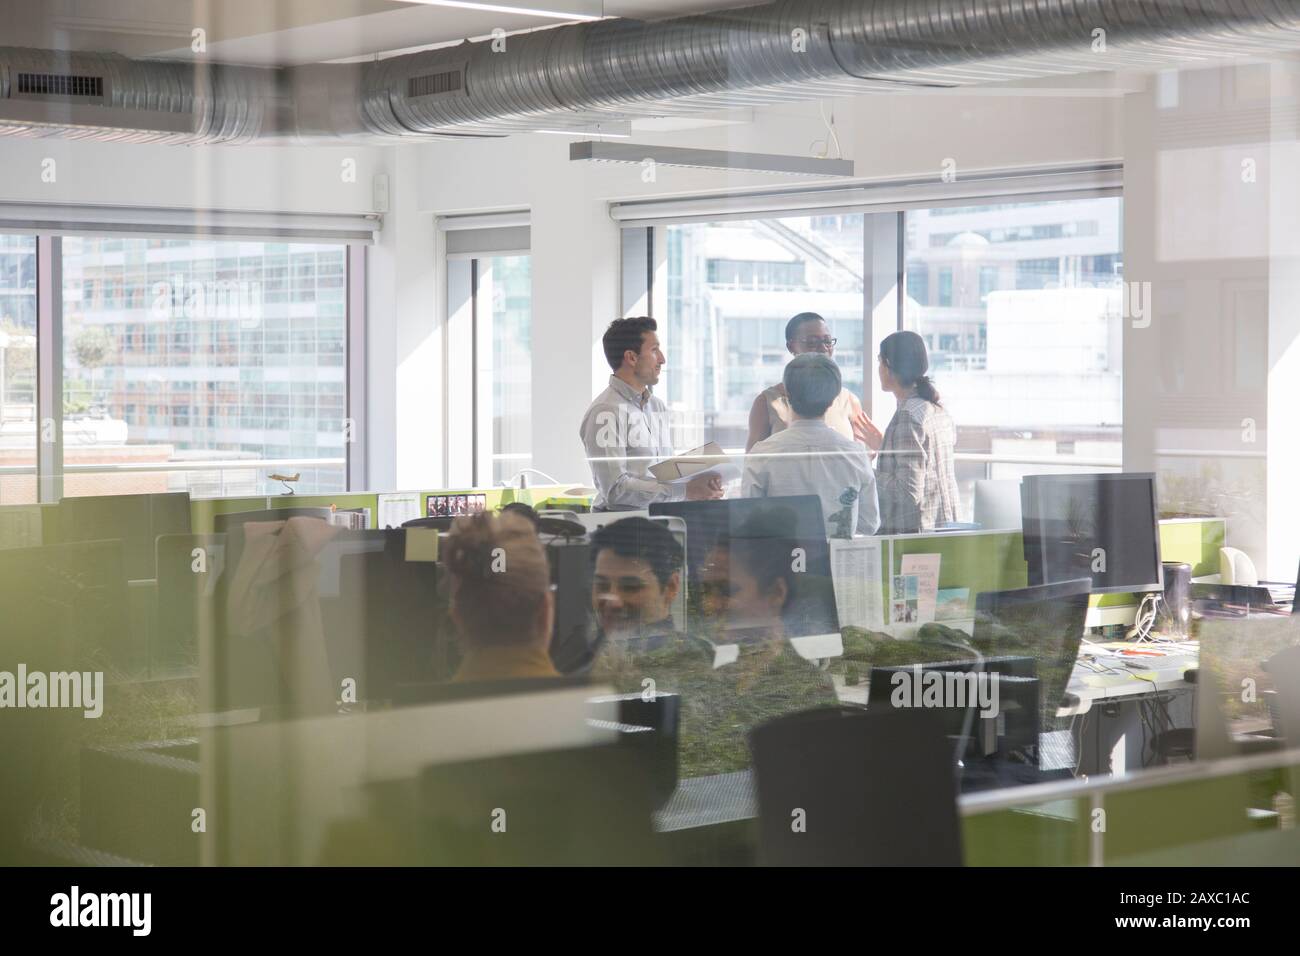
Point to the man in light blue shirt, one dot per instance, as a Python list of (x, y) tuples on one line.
[(627, 429), (812, 458)]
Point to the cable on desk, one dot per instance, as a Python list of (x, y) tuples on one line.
[(1145, 619)]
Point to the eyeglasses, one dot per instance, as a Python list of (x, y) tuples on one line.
[(812, 343)]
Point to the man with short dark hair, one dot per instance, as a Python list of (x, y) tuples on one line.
[(804, 333), (810, 457), (626, 428), (636, 576)]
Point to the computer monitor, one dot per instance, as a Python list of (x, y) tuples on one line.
[(725, 540), (997, 503), (1099, 526), (1045, 623)]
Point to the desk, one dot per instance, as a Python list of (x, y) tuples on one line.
[(1100, 673)]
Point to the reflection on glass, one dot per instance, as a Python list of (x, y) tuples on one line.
[(732, 287), (192, 351), (509, 279), (17, 370), (1017, 300)]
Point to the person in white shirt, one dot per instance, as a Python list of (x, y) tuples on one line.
[(627, 429), (812, 458)]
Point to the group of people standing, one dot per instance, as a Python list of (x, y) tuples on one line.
[(808, 434)]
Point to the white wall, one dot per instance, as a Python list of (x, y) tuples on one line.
[(278, 178)]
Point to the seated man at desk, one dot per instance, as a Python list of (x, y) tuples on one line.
[(626, 428), (636, 577), (811, 457)]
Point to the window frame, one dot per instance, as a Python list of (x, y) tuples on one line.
[(469, 239), (49, 466), (885, 205)]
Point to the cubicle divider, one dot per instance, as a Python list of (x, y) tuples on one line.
[(994, 560), (205, 510), (1232, 811)]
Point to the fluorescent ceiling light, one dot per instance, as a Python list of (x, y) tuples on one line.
[(505, 8), (709, 159), (583, 132)]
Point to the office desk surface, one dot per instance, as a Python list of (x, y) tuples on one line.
[(1103, 674), (1100, 674)]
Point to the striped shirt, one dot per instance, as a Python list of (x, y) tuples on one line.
[(915, 471)]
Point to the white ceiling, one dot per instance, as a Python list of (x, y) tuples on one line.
[(283, 32)]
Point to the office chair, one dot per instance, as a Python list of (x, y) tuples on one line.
[(571, 807), (851, 787)]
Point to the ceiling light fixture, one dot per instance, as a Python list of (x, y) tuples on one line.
[(709, 159), (584, 132), (506, 8)]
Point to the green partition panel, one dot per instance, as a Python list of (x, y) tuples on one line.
[(342, 501), (1055, 833), (1165, 822), (979, 560), (203, 510), (547, 496), (1194, 541)]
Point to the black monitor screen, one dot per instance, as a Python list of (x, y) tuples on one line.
[(1044, 623), (756, 563), (1101, 527)]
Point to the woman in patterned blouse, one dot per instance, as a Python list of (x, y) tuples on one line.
[(915, 476)]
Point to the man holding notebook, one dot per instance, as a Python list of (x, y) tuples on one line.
[(626, 429)]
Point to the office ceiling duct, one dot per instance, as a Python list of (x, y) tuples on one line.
[(611, 70)]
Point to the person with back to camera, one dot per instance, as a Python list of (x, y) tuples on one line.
[(915, 474), (810, 457), (501, 600)]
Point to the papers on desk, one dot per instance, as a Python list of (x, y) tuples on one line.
[(855, 571)]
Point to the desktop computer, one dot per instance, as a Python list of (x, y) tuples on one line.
[(1098, 526), (1011, 731)]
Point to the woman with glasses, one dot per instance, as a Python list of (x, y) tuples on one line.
[(808, 332), (916, 480)]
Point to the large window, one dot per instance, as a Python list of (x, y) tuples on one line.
[(732, 286), (201, 355), (489, 351), (18, 431), (503, 313), (1027, 304)]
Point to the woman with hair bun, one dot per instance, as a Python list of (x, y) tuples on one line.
[(501, 600), (915, 476)]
